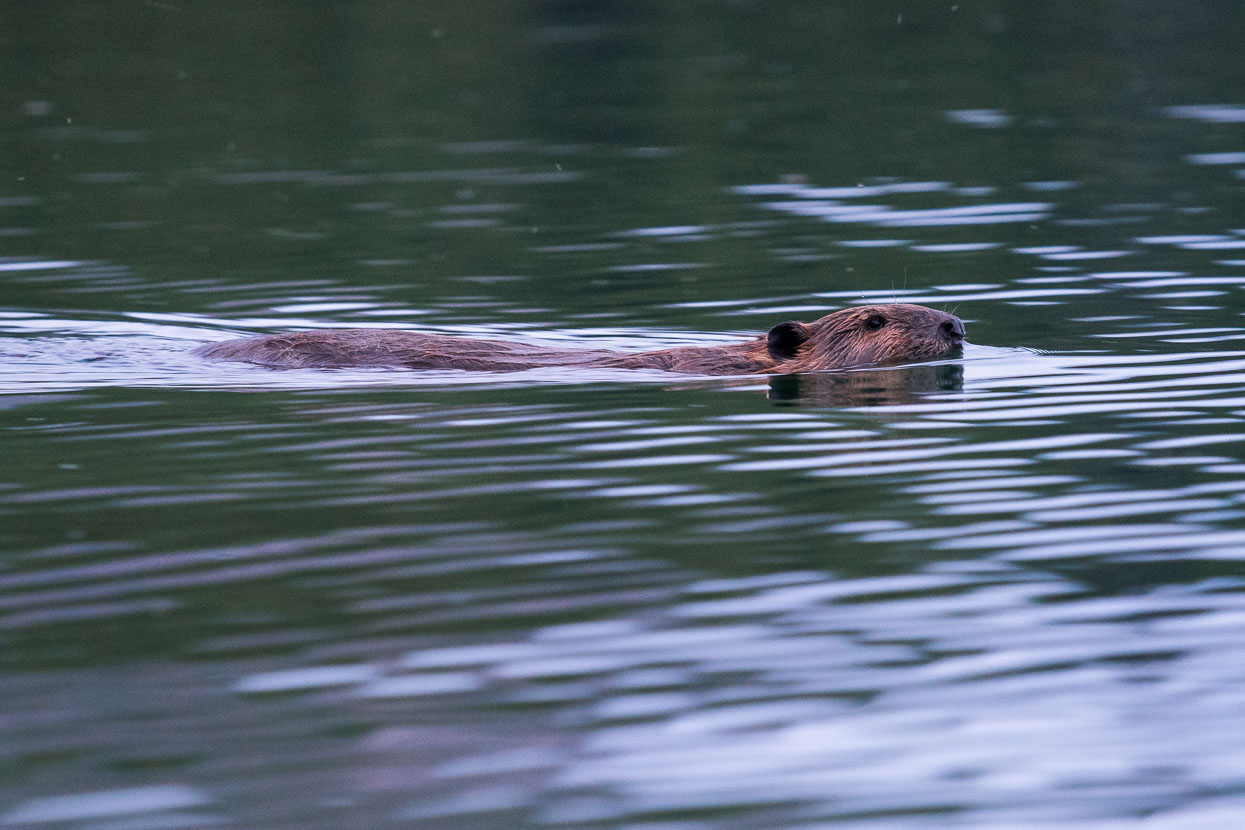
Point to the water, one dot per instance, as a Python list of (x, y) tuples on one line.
[(1004, 590)]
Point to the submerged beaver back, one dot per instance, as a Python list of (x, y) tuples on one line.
[(392, 348), (865, 336)]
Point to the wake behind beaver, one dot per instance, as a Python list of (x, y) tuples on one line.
[(875, 335)]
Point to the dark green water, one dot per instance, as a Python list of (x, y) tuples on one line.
[(1006, 590)]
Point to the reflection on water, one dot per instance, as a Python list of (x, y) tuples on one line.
[(1004, 590), (679, 600), (879, 387)]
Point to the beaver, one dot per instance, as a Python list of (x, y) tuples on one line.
[(872, 335)]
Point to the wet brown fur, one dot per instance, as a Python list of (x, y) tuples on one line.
[(847, 338)]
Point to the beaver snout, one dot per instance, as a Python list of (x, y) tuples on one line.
[(953, 329)]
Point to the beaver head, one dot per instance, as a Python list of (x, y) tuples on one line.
[(870, 335)]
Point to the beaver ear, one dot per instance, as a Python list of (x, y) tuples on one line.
[(785, 339)]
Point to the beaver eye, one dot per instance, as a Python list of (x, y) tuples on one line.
[(875, 322)]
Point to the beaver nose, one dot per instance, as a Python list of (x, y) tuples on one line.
[(953, 329)]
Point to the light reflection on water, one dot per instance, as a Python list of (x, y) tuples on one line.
[(1002, 586), (932, 634)]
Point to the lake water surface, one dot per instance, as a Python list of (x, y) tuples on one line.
[(1002, 590)]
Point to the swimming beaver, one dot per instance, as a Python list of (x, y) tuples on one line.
[(865, 336)]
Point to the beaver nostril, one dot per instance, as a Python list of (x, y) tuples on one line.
[(954, 329)]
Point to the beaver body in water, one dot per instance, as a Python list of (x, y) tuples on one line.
[(865, 336)]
